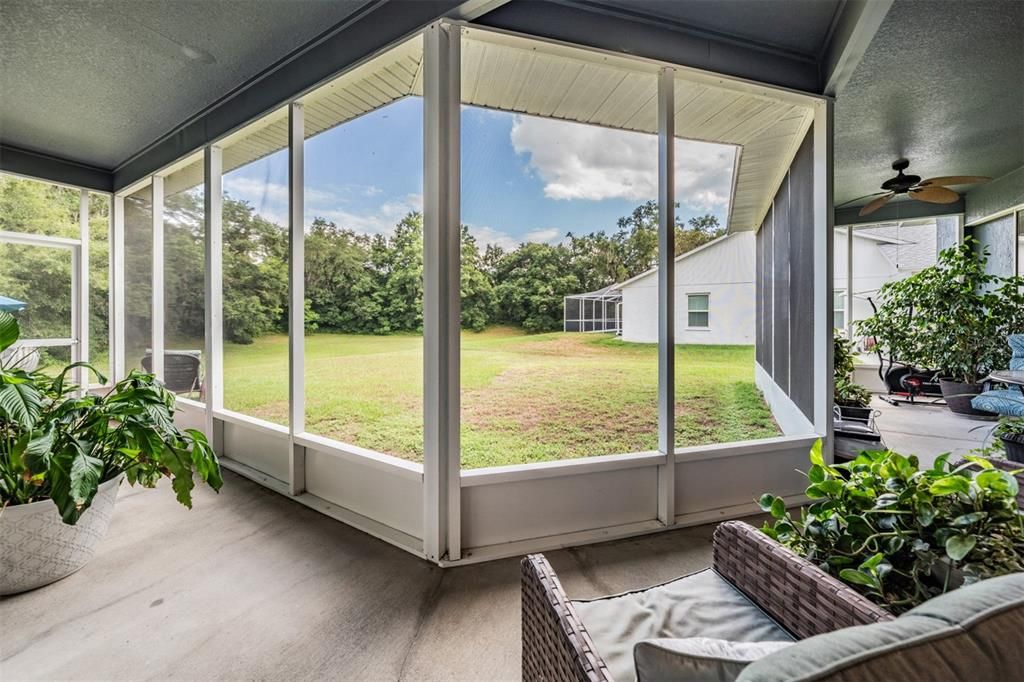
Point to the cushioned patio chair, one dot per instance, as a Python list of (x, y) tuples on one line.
[(1008, 402), (762, 613)]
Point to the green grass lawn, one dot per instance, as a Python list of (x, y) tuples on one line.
[(525, 398)]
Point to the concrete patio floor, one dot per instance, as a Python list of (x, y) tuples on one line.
[(250, 585), (928, 430)]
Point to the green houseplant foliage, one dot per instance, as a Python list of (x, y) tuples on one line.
[(953, 317), (846, 392), (901, 534), (59, 445)]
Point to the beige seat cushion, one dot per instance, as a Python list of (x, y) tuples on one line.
[(974, 633), (701, 604)]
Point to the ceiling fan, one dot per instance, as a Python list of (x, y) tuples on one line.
[(933, 190)]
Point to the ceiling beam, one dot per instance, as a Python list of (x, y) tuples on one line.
[(855, 26), (354, 40), (897, 210), (628, 32), (51, 169)]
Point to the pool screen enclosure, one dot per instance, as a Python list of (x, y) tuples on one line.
[(595, 311)]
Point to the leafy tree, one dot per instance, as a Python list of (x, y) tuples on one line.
[(532, 283), (478, 295), (339, 281)]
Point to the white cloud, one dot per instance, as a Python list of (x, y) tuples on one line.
[(578, 161), (488, 235), (544, 236), (270, 200), (256, 192)]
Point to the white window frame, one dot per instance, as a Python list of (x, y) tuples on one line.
[(707, 311), (842, 309)]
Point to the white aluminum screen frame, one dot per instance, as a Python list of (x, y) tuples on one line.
[(435, 526)]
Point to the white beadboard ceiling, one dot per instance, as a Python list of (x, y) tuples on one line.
[(522, 75)]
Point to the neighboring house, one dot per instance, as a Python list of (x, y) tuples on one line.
[(714, 284), (714, 295), (880, 254)]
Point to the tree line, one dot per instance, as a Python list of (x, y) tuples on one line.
[(355, 283)]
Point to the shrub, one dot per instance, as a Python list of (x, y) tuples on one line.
[(900, 534)]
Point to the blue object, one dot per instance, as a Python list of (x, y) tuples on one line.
[(1016, 342), (11, 305), (1008, 402)]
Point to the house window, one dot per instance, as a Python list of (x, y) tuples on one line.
[(697, 310), (839, 309)]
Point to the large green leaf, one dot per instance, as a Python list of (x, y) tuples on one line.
[(9, 331), (37, 453), (21, 403), (74, 478), (959, 546)]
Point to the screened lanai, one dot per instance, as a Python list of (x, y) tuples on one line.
[(176, 234)]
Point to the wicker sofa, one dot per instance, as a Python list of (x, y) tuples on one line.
[(763, 614), (796, 594)]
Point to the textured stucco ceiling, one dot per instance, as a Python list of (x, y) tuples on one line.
[(97, 81), (797, 26), (941, 84)]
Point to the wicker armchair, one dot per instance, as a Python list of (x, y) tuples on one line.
[(798, 595)]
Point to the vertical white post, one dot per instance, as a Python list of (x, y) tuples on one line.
[(157, 283), (849, 283), (296, 298), (666, 296), (441, 302), (76, 311), (82, 332), (213, 278), (824, 233), (117, 306)]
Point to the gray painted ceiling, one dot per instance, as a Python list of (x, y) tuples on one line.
[(941, 84), (801, 27), (97, 81)]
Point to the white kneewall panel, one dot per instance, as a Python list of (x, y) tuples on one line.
[(724, 270), (262, 448), (519, 510), (732, 475), (388, 497)]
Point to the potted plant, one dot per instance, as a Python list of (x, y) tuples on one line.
[(954, 317), (901, 534), (63, 454), (1011, 432), (851, 398)]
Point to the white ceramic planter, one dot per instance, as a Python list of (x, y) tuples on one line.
[(38, 548)]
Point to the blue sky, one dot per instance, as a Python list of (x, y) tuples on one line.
[(523, 178)]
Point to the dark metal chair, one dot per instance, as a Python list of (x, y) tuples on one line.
[(182, 370)]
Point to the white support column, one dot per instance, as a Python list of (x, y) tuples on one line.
[(849, 283), (82, 307), (441, 302), (666, 296), (157, 312), (296, 298), (824, 234), (213, 278), (117, 307)]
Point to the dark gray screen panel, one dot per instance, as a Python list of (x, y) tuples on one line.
[(781, 277), (801, 283)]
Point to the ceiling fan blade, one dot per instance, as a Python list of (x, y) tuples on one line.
[(866, 196), (876, 204), (954, 180), (935, 195)]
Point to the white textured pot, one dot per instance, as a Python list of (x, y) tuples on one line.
[(38, 548)]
